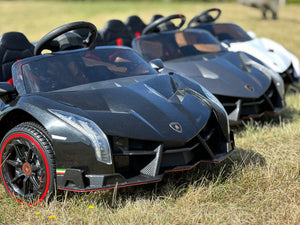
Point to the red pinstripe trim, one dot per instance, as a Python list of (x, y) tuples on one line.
[(108, 188), (46, 164)]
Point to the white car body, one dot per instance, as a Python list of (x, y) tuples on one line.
[(270, 53)]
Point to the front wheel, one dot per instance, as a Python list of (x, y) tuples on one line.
[(27, 163)]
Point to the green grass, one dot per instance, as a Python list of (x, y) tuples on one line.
[(35, 19), (258, 184)]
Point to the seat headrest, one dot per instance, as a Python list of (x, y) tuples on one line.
[(13, 46), (135, 25), (15, 41), (115, 30)]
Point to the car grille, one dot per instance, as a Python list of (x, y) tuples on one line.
[(250, 107), (132, 157), (288, 75)]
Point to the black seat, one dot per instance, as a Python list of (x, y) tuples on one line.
[(13, 46), (116, 33), (135, 26)]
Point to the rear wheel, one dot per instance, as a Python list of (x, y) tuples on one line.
[(27, 163)]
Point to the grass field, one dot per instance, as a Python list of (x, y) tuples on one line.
[(258, 184), (35, 19)]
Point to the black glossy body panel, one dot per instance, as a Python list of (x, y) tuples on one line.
[(154, 123), (234, 78)]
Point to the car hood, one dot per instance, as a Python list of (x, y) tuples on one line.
[(143, 109), (226, 73), (274, 57)]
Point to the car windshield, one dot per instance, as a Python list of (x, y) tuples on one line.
[(227, 32), (65, 70), (171, 45)]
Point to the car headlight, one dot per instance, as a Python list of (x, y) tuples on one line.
[(91, 130)]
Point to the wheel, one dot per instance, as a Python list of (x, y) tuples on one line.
[(46, 41), (205, 17), (27, 164), (154, 26)]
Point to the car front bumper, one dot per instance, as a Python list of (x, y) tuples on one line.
[(162, 162)]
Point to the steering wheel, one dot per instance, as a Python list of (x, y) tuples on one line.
[(205, 17), (154, 26), (47, 41)]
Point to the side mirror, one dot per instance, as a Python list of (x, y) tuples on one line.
[(252, 34), (157, 64), (7, 92)]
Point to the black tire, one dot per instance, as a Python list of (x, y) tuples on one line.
[(27, 164)]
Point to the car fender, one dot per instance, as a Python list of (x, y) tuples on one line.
[(280, 50), (277, 62), (68, 143)]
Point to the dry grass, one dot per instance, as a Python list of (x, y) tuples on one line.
[(258, 184)]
